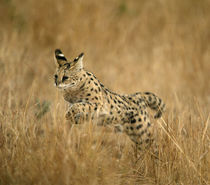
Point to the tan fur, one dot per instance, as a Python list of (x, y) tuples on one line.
[(89, 100)]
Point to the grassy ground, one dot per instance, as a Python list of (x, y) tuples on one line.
[(159, 46)]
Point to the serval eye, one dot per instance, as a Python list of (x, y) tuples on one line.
[(56, 76), (64, 78)]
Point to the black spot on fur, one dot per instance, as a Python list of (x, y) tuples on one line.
[(88, 74), (147, 140), (81, 87), (150, 98), (120, 102), (133, 121), (139, 126), (142, 132), (159, 102)]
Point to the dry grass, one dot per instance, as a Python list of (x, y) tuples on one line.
[(160, 46)]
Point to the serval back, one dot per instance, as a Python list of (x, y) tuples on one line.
[(89, 99)]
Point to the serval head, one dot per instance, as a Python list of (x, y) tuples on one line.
[(68, 73)]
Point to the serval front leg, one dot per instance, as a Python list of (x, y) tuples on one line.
[(78, 113)]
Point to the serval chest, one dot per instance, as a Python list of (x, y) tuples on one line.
[(89, 99)]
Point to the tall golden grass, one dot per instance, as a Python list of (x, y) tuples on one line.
[(159, 46)]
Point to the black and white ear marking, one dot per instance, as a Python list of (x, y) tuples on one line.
[(79, 57), (78, 62), (61, 59)]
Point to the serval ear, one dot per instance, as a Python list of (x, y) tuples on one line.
[(77, 63), (60, 58)]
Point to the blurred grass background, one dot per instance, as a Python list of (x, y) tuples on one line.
[(146, 45)]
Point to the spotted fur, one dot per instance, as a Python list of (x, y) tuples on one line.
[(89, 99)]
